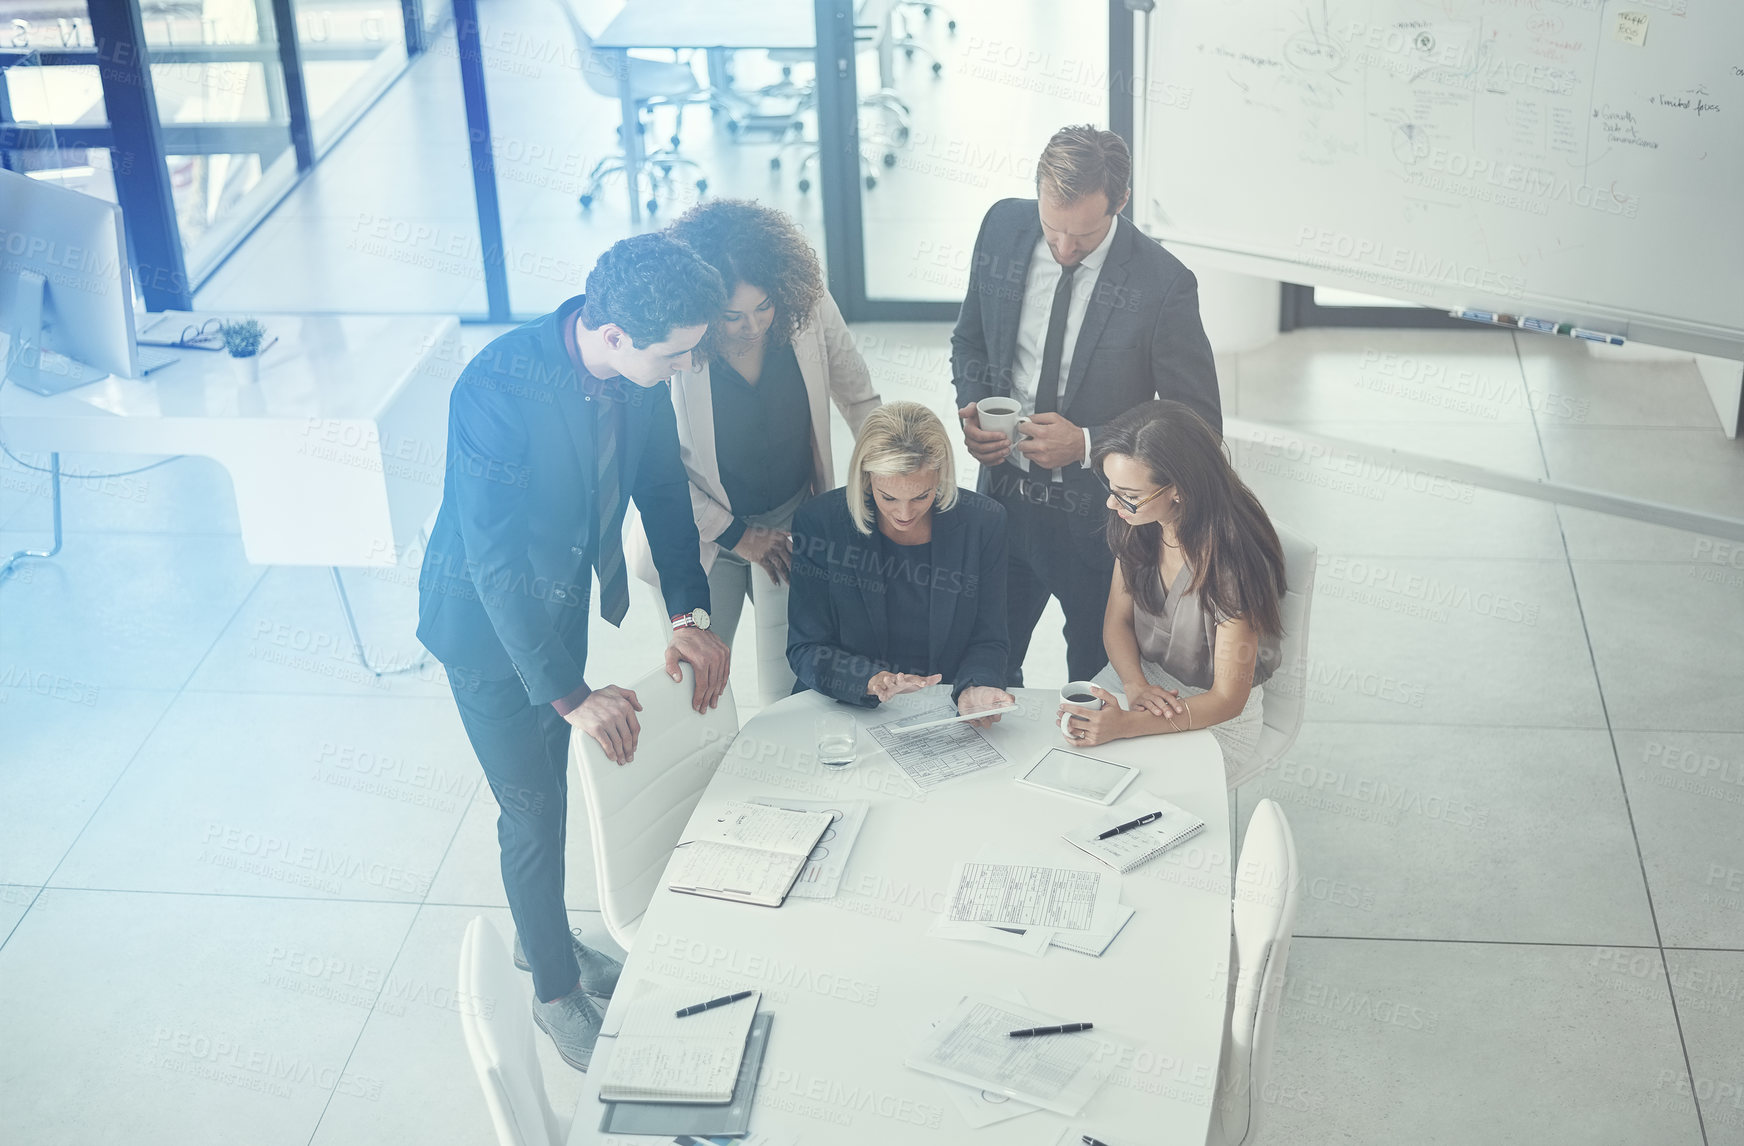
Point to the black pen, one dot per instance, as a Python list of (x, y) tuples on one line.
[(1065, 1029), (713, 1003), (1130, 825), (1089, 1141)]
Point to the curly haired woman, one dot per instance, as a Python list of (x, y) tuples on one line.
[(753, 415)]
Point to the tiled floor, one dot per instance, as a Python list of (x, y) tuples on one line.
[(1517, 800)]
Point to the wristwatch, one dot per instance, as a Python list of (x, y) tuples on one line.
[(695, 619)]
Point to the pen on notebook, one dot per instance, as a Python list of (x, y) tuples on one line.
[(1063, 1029), (1152, 818), (713, 1003), (1089, 1141)]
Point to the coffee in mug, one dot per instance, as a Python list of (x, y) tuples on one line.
[(1077, 692), (1001, 414)]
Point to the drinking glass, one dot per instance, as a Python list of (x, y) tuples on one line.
[(837, 736)]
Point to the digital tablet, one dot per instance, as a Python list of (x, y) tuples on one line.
[(935, 717), (1099, 781)]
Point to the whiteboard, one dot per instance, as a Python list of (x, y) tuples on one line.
[(1581, 160)]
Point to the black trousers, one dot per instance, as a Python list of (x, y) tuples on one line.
[(524, 749), (1052, 556)]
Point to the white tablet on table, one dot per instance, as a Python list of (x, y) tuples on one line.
[(1073, 774)]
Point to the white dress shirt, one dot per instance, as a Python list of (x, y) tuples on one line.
[(1032, 325)]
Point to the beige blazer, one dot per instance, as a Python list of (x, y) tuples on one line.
[(832, 369)]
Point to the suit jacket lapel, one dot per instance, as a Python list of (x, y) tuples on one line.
[(1102, 297)]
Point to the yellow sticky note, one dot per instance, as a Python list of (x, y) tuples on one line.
[(1630, 28)]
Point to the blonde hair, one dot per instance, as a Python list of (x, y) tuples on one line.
[(1079, 161), (898, 439)]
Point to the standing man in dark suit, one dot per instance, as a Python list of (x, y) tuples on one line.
[(549, 428), (1079, 316)]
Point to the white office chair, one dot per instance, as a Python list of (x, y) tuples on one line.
[(637, 810), (1281, 706), (1263, 917), (497, 1020)]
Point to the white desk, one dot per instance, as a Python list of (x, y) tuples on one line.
[(336, 454), (854, 982), (718, 28)]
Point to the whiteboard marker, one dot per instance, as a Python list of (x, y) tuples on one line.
[(1541, 325)]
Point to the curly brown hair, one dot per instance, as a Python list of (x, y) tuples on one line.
[(750, 243)]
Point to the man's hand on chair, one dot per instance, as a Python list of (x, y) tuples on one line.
[(609, 716), (711, 659)]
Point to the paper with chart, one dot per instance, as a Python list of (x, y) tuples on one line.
[(822, 873), (1024, 894), (979, 1106), (973, 1045), (659, 1057), (931, 757)]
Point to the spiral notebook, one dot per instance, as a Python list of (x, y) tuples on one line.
[(1138, 845)]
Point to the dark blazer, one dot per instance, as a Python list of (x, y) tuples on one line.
[(1141, 337), (507, 576), (836, 622)]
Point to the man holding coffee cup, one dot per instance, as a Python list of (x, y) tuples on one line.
[(1072, 317)]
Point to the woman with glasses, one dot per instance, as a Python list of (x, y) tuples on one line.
[(899, 578), (1193, 618), (754, 416)]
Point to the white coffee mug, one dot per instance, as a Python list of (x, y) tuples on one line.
[(1077, 692), (1002, 414)]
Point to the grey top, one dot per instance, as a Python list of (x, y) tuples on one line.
[(1182, 637)]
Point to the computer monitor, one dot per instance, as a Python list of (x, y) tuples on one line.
[(65, 286)]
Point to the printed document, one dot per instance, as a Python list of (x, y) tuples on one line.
[(1033, 895), (973, 1045)]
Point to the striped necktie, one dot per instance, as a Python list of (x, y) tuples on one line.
[(614, 579)]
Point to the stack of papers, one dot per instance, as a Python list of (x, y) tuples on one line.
[(1033, 895), (659, 1057), (1026, 906)]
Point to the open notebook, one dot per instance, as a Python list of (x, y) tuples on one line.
[(659, 1057), (749, 853)]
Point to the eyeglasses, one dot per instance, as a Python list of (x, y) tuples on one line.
[(208, 334), (1131, 506)]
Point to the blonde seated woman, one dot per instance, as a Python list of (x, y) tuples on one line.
[(899, 577), (1193, 620)]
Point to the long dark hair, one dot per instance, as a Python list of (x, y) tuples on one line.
[(1225, 535)]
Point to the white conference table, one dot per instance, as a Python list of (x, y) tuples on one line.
[(855, 982), (336, 454)]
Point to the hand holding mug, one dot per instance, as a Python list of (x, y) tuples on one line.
[(987, 446), (1077, 700)]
